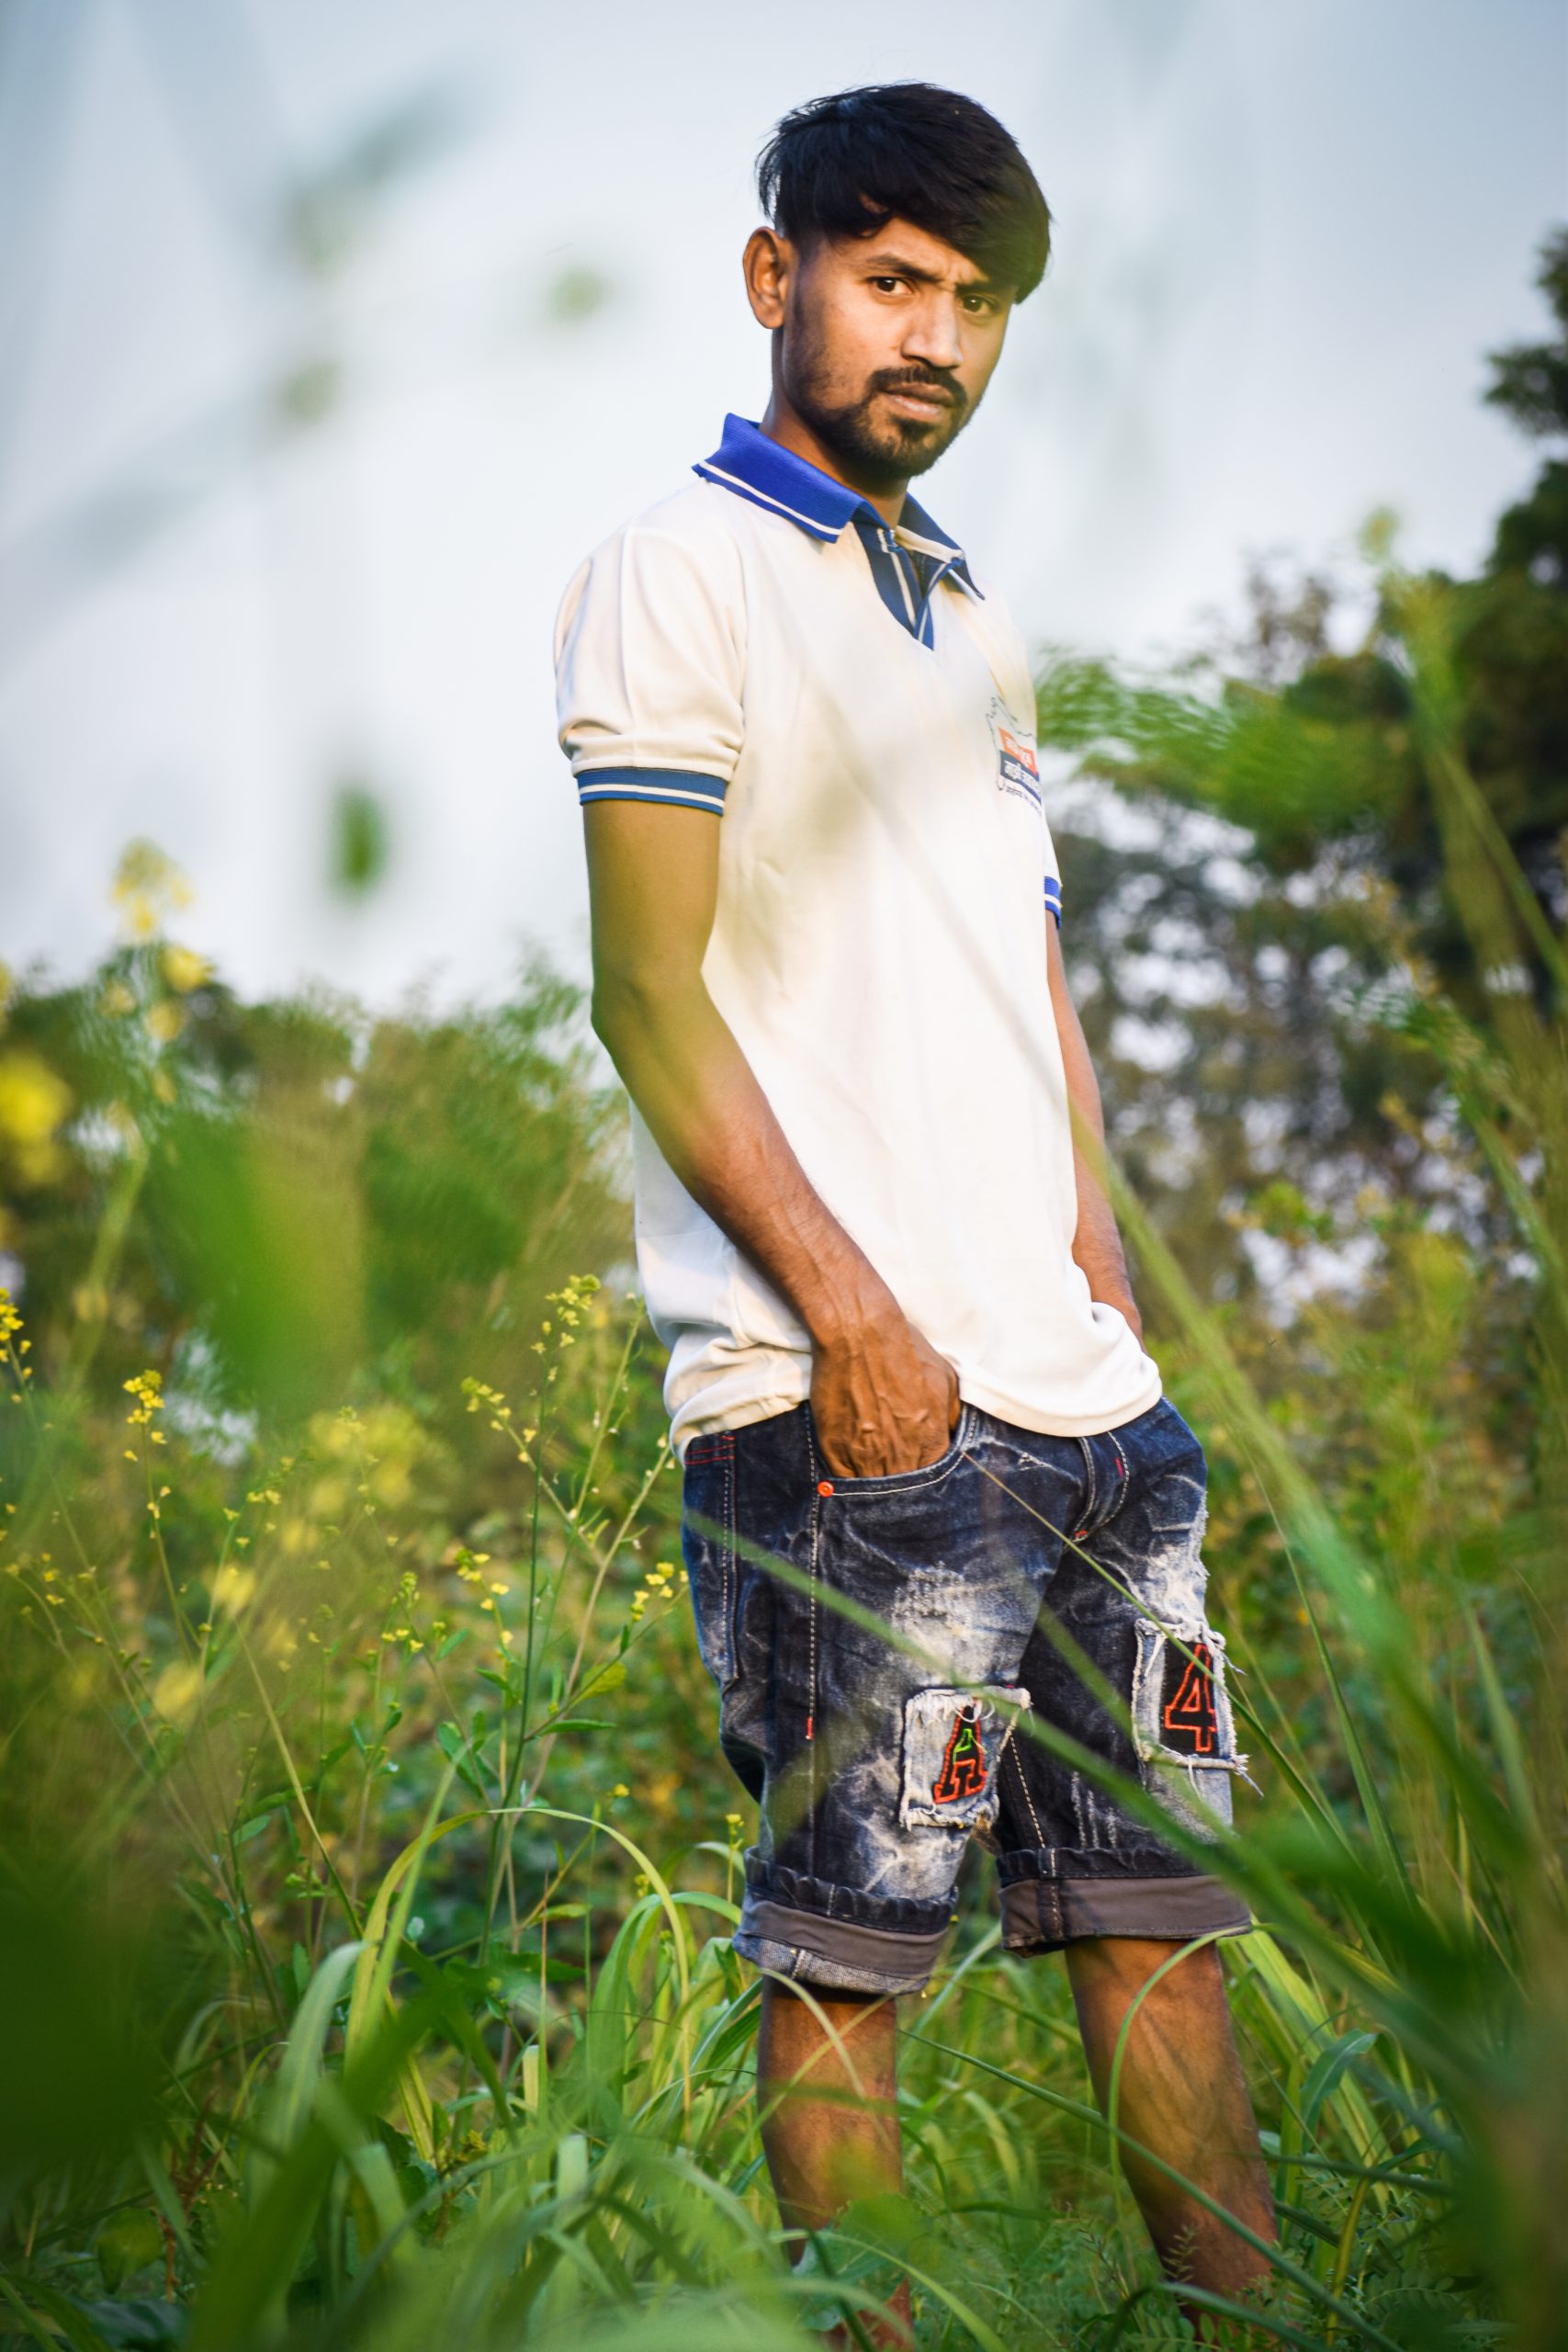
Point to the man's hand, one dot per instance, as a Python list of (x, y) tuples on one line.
[(883, 1399)]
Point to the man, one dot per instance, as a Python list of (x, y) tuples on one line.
[(905, 1363)]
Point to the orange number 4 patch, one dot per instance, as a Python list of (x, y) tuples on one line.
[(1187, 1718)]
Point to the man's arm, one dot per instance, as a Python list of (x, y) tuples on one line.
[(1097, 1244), (882, 1399)]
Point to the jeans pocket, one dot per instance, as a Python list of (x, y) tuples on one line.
[(708, 1544), (1183, 1723), (954, 1741), (900, 1482)]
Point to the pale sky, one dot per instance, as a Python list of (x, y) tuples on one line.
[(1287, 232)]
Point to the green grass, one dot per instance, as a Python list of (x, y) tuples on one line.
[(366, 1866)]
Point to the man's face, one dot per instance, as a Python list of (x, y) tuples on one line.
[(888, 343)]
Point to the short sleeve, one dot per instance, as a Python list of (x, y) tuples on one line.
[(649, 661)]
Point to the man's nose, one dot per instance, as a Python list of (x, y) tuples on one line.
[(933, 334)]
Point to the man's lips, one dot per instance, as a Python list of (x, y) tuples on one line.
[(923, 400)]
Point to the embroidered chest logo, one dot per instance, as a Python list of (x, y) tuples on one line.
[(1018, 768), (1188, 1717), (963, 1772)]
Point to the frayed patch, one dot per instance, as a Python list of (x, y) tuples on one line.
[(954, 1741), (1182, 1722), (1188, 1719), (1181, 1710)]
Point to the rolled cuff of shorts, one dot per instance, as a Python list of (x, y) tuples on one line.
[(1046, 1914), (836, 1955)]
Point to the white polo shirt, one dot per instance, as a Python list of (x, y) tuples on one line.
[(858, 714)]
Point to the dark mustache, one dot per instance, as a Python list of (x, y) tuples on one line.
[(919, 379)]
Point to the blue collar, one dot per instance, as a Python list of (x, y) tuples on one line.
[(755, 468)]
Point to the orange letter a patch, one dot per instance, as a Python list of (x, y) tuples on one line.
[(963, 1772)]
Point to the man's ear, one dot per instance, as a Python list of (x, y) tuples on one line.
[(769, 263)]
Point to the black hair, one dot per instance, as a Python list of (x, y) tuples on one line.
[(846, 165)]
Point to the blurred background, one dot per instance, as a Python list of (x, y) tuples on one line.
[(330, 342)]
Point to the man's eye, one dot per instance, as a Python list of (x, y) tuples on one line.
[(888, 285)]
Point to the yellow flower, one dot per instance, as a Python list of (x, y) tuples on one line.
[(184, 969), (231, 1589), (146, 885), (145, 1388), (33, 1103), (117, 1001), (165, 1020)]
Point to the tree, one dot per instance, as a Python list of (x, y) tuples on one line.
[(1235, 977)]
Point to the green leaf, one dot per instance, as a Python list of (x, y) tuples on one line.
[(455, 1749), (127, 2241)]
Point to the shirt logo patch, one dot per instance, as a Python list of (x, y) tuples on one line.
[(1018, 766)]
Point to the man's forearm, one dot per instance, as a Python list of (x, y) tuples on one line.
[(1097, 1243), (710, 1118)]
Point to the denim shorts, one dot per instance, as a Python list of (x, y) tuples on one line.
[(1024, 1578)]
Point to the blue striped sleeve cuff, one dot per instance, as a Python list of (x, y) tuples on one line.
[(1054, 898), (675, 787)]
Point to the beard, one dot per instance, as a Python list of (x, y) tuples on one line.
[(884, 452)]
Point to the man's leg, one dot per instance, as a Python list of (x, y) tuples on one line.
[(1182, 2095), (829, 2118)]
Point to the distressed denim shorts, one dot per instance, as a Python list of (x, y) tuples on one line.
[(1027, 1578)]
